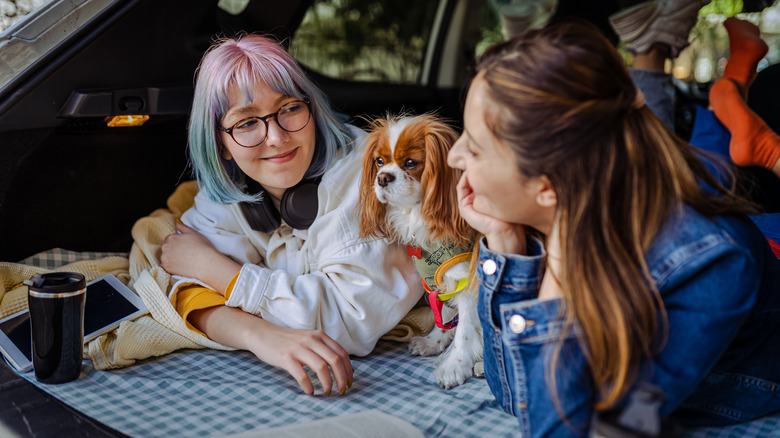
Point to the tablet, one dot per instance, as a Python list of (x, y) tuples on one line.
[(108, 302)]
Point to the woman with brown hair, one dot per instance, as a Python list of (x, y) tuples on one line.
[(606, 266)]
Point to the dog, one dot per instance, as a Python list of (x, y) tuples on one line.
[(408, 195)]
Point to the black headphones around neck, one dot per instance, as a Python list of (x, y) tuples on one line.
[(298, 207)]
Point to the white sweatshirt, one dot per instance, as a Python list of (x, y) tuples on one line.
[(326, 277)]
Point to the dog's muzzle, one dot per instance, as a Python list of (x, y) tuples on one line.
[(383, 179)]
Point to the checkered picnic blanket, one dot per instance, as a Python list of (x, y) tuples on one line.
[(207, 393), (202, 393)]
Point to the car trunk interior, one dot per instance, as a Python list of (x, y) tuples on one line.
[(69, 181)]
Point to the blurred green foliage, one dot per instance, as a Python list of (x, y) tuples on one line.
[(366, 39), (728, 8)]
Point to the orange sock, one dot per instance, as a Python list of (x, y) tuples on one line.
[(746, 50), (752, 141)]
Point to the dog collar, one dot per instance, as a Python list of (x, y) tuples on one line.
[(436, 299), (433, 263)]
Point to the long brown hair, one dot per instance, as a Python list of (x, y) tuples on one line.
[(562, 99)]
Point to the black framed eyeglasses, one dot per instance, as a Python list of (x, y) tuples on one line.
[(252, 131)]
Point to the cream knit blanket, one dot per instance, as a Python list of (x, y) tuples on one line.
[(162, 330)]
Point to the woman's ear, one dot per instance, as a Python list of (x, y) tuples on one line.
[(225, 153), (545, 195)]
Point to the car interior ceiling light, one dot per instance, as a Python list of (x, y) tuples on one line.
[(127, 120)]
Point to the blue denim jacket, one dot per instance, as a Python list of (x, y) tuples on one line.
[(720, 284)]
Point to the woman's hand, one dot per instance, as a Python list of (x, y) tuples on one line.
[(189, 254), (501, 236), (292, 349), (289, 349)]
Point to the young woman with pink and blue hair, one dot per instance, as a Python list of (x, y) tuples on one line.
[(269, 258), (241, 63)]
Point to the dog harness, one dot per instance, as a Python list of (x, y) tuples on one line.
[(432, 265)]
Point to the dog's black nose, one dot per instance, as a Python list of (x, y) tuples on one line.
[(383, 179)]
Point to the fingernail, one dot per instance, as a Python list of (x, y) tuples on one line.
[(327, 394), (343, 391), (349, 383)]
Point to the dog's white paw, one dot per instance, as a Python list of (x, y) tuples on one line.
[(432, 344), (453, 370), (479, 369)]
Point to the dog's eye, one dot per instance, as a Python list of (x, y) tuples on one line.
[(410, 164), (380, 162)]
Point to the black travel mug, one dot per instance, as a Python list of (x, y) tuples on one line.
[(56, 302)]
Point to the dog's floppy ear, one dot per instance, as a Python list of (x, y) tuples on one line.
[(371, 212), (439, 182)]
